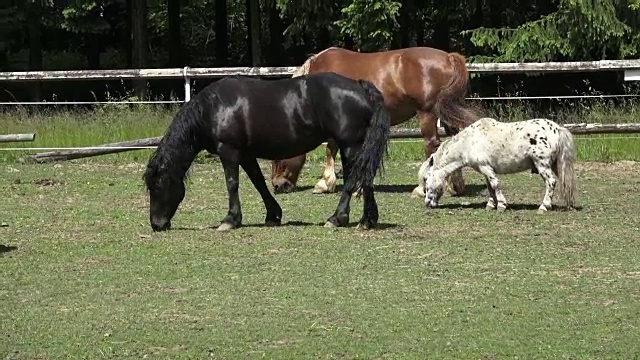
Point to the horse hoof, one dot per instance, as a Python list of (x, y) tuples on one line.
[(364, 226), (225, 227), (489, 207), (502, 208), (542, 211), (330, 225), (320, 188), (272, 223)]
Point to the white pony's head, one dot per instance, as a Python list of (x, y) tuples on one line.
[(433, 183)]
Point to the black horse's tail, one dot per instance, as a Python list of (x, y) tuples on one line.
[(371, 157)]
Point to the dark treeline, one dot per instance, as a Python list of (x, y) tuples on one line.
[(113, 34)]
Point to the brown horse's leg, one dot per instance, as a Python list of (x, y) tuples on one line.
[(327, 183), (429, 128)]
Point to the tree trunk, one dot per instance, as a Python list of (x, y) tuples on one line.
[(495, 13), (92, 46), (348, 42), (275, 53), (420, 29), (323, 39), (128, 30), (441, 31), (402, 38), (222, 33), (253, 31), (139, 43), (175, 42), (34, 24)]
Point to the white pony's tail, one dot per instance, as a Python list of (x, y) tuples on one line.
[(566, 174)]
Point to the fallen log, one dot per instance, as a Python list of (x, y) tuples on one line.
[(17, 138), (580, 128), (105, 149), (396, 133), (584, 128)]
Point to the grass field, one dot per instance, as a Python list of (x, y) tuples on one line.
[(115, 123), (83, 276)]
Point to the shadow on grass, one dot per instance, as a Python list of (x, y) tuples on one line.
[(379, 226), (297, 189), (6, 249), (470, 189), (510, 207)]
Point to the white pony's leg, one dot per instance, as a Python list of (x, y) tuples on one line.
[(550, 181), (491, 204), (494, 186)]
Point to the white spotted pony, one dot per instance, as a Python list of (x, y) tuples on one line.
[(491, 147)]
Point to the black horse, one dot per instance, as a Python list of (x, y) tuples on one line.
[(242, 119)]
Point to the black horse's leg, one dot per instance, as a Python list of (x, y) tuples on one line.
[(230, 158), (274, 211), (341, 216), (370, 213)]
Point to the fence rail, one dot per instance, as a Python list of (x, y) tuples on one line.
[(283, 71), (630, 67), (17, 138)]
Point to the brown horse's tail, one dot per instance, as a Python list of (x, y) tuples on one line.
[(450, 106), (306, 66)]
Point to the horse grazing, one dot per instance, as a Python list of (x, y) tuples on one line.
[(242, 119), (491, 147), (425, 82)]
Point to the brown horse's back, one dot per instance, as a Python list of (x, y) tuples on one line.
[(409, 79)]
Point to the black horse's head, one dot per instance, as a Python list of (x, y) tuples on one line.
[(166, 191)]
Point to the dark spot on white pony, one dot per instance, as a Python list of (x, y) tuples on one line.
[(532, 141)]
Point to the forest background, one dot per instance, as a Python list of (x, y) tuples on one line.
[(114, 34)]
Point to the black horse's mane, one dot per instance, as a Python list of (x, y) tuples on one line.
[(181, 137)]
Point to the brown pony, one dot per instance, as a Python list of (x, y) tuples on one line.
[(419, 81)]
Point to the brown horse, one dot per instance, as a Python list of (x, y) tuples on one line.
[(419, 81)]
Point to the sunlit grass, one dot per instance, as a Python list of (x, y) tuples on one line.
[(114, 123)]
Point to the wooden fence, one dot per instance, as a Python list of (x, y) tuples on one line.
[(631, 70), (17, 138)]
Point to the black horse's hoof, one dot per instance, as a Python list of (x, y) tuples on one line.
[(365, 226), (337, 221)]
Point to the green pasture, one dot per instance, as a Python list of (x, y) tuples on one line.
[(83, 276), (115, 123)]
